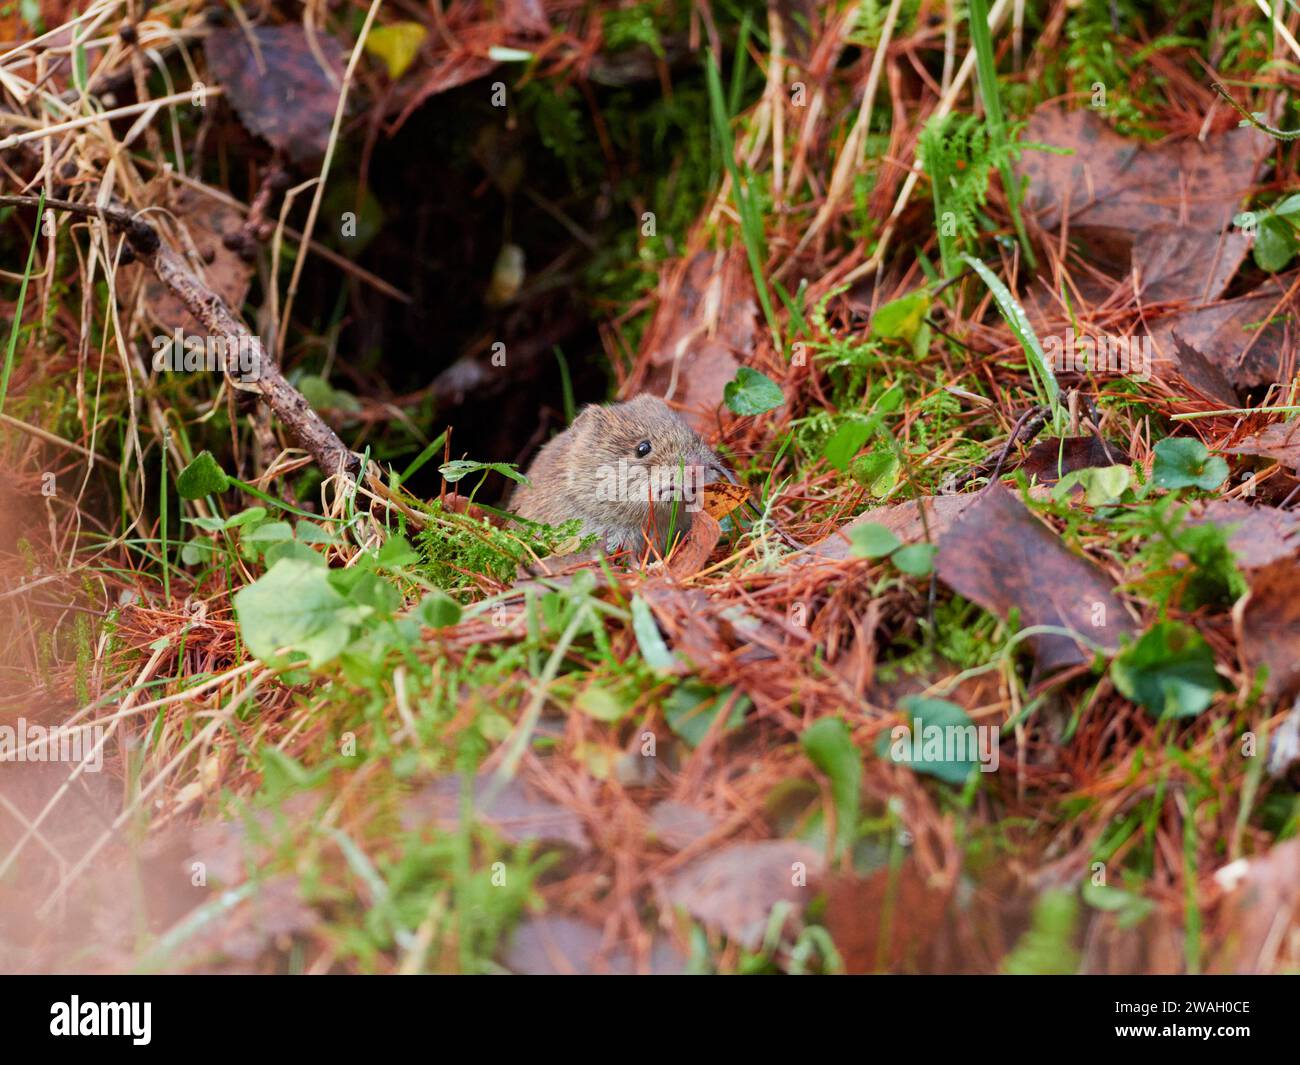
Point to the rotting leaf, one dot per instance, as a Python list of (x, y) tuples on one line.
[(1223, 337), (519, 812), (1270, 627), (273, 79), (733, 890), (1112, 182), (1279, 441), (1258, 535), (1003, 558), (557, 945), (1182, 263)]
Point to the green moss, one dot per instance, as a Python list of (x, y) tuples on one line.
[(457, 549)]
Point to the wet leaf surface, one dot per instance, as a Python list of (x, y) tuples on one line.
[(1224, 335), (519, 813), (1049, 460), (1279, 441), (1000, 556), (568, 946), (677, 825), (274, 80), (1117, 183), (1270, 626), (733, 889)]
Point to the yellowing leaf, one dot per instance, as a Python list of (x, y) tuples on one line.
[(397, 45), (722, 498)]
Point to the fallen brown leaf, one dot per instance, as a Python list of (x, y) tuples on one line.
[(1259, 535), (1176, 263), (1000, 556), (519, 813), (1270, 626), (902, 519), (705, 323), (1279, 441), (1111, 182), (1048, 460), (567, 946), (1223, 334), (677, 826), (275, 82), (204, 221), (690, 555), (734, 889)]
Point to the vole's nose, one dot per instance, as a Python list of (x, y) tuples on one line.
[(718, 470), (713, 468)]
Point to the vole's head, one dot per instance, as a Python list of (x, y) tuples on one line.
[(646, 434), (637, 457)]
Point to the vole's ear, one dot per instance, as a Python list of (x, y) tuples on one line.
[(591, 415)]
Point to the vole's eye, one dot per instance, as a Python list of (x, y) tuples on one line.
[(643, 449)]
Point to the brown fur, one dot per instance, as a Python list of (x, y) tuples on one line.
[(568, 473)]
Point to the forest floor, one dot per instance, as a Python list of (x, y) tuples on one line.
[(988, 668)]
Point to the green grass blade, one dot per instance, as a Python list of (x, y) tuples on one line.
[(18, 307), (986, 66), (1039, 368), (751, 223)]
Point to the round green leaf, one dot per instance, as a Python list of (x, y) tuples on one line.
[(1186, 463), (752, 393), (916, 560), (873, 540)]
